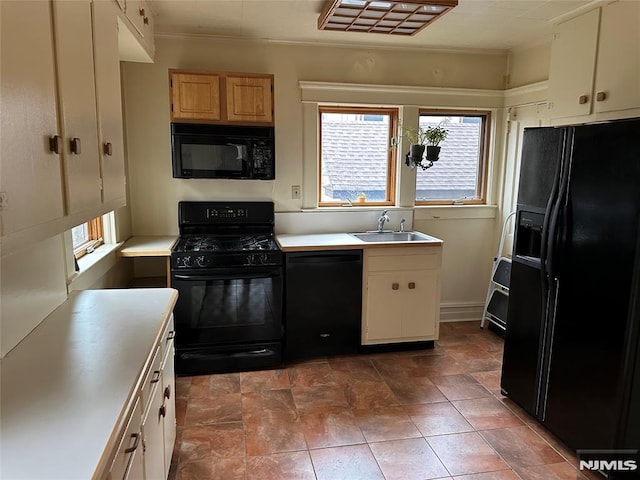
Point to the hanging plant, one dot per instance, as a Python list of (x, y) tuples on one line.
[(428, 138)]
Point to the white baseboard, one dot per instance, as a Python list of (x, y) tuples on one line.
[(461, 312)]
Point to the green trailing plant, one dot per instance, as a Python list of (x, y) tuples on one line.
[(425, 136)]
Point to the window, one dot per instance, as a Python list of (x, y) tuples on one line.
[(459, 175), (356, 163), (87, 236)]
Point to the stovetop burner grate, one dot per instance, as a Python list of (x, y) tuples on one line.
[(221, 243)]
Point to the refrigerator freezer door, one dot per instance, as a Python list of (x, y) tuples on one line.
[(520, 369), (594, 266), (541, 154)]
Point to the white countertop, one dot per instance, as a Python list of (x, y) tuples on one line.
[(337, 241), (67, 385), (148, 246)]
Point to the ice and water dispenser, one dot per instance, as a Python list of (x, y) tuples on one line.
[(528, 239)]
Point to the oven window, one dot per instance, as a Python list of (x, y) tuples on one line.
[(227, 303), (214, 157), (214, 310)]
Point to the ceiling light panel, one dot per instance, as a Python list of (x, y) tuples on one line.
[(394, 17)]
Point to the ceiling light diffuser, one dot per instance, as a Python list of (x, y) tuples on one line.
[(393, 17)]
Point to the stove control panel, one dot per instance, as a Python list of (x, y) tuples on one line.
[(227, 212), (181, 261)]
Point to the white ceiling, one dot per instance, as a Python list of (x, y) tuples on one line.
[(473, 24)]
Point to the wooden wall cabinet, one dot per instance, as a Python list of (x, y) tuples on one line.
[(62, 142), (595, 65), (401, 301), (221, 97)]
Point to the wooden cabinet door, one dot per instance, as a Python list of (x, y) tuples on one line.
[(384, 306), (617, 85), (572, 66), (31, 177), (107, 71), (249, 99), (195, 96), (77, 99), (420, 303)]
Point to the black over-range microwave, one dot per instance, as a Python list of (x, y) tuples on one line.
[(222, 151)]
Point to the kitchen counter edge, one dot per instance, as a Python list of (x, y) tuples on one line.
[(289, 242)]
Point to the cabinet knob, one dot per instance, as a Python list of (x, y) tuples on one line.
[(145, 20), (76, 147), (55, 144), (583, 99), (600, 96), (136, 441), (395, 286), (163, 411), (167, 392), (171, 335), (412, 285), (107, 149), (141, 12), (156, 376)]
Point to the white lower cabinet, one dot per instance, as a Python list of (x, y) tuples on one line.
[(146, 446), (401, 301), (127, 464)]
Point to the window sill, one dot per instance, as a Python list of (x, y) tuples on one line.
[(93, 266)]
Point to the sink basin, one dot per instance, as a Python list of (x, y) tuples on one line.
[(384, 237)]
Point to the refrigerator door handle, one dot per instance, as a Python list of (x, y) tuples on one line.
[(543, 387), (559, 205)]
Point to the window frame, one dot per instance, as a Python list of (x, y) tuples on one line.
[(483, 156), (394, 116), (96, 237)]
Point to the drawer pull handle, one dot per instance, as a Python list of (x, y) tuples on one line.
[(583, 99), (76, 147), (55, 144), (133, 447), (171, 335), (601, 96), (395, 286), (167, 392), (412, 285), (107, 149), (156, 376), (163, 411)]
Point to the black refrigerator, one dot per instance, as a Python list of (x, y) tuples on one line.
[(571, 345)]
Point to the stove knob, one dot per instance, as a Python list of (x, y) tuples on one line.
[(201, 261), (187, 262), (263, 259), (251, 259)]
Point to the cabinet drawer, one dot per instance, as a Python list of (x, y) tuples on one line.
[(403, 262), (126, 451), (151, 379), (167, 338)]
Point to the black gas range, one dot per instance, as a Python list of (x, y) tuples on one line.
[(228, 271)]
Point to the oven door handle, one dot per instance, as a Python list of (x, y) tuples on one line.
[(228, 276)]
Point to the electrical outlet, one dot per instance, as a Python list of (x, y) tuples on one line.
[(3, 200), (295, 191)]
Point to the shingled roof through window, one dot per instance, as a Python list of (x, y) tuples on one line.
[(354, 157)]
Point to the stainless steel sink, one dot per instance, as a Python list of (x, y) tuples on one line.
[(384, 237)]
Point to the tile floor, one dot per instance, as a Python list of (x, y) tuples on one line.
[(423, 414)]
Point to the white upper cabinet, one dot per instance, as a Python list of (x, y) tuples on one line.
[(30, 181), (109, 100), (617, 85), (136, 31), (573, 58), (595, 65), (62, 143), (77, 103)]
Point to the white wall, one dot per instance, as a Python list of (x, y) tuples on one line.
[(529, 65), (155, 194)]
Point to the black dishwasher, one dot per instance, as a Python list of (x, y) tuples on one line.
[(323, 297)]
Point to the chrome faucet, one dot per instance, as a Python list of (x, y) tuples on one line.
[(402, 225), (383, 218)]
